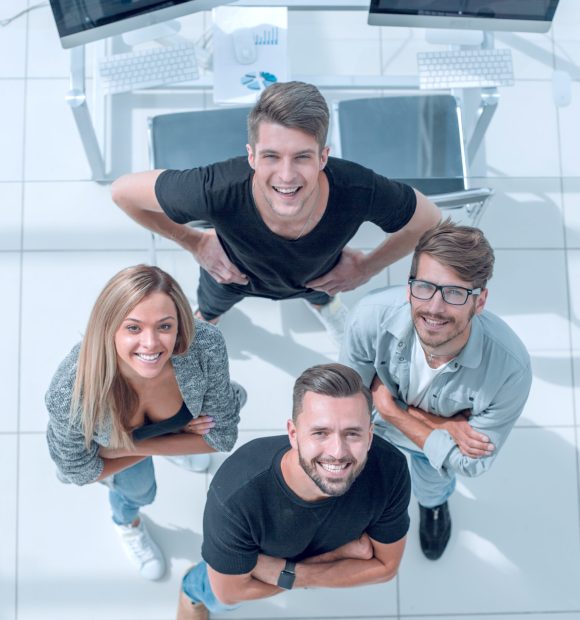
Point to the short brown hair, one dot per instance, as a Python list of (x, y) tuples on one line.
[(462, 248), (334, 380), (295, 105)]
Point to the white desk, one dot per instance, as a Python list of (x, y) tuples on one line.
[(480, 105)]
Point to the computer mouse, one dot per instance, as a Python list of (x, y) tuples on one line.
[(244, 46), (561, 88)]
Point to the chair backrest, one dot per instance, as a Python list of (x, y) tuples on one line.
[(189, 139), (416, 139)]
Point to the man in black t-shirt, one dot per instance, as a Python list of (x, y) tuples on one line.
[(281, 218), (325, 506)]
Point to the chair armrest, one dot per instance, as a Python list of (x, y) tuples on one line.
[(454, 200)]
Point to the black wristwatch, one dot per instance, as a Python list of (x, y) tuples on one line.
[(287, 576)]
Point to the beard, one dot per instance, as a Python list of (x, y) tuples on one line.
[(330, 486), (453, 329)]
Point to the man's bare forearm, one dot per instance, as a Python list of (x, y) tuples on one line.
[(184, 235), (431, 420), (343, 573), (335, 569), (358, 549), (135, 194), (254, 589), (403, 242), (232, 592)]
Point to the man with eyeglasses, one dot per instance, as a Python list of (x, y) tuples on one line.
[(449, 379)]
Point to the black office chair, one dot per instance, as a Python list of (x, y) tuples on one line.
[(417, 139), (183, 140)]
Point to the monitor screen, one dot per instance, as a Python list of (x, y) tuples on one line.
[(81, 21), (513, 15)]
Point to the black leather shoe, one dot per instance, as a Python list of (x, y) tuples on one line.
[(434, 530)]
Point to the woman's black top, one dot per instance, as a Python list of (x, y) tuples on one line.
[(172, 425)]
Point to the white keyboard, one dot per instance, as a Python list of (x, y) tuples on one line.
[(469, 68), (122, 73)]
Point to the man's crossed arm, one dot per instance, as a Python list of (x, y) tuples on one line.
[(462, 448), (360, 562), (418, 424)]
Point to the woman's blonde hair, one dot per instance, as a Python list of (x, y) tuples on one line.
[(100, 391)]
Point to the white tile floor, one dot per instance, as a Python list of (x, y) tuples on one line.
[(516, 544)]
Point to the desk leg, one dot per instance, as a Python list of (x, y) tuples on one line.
[(483, 116), (77, 100)]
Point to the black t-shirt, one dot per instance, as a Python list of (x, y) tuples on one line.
[(278, 268), (251, 510)]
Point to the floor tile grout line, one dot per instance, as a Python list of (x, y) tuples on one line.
[(492, 614), (569, 294), (398, 595), (20, 299)]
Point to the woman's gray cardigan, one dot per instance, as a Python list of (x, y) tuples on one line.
[(202, 375)]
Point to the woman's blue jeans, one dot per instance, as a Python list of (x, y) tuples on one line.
[(131, 489)]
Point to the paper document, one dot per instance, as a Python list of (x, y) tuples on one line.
[(250, 51)]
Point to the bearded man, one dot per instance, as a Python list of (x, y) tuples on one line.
[(324, 506)]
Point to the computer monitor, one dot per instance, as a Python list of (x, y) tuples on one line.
[(82, 21), (511, 15)]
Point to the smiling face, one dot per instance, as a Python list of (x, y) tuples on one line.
[(287, 165), (443, 327), (332, 437), (146, 339)]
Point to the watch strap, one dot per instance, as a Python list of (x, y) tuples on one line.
[(287, 575)]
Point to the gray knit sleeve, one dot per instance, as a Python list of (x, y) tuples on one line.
[(66, 442), (206, 367)]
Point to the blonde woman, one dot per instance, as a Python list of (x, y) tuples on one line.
[(145, 380)]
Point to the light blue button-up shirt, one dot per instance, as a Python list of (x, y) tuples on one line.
[(491, 376)]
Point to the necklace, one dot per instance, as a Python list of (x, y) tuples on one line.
[(307, 220), (432, 356)]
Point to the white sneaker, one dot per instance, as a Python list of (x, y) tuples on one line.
[(140, 548), (241, 392), (197, 463), (333, 316)]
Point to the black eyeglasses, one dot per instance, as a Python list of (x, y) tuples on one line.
[(454, 295)]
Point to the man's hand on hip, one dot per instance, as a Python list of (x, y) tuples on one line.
[(210, 254), (348, 274)]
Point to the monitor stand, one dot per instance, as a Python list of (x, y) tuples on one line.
[(438, 36), (164, 33)]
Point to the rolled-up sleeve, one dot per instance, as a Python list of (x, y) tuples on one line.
[(358, 346), (496, 422)]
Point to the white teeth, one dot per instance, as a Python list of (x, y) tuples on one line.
[(286, 190), (434, 323), (333, 468), (148, 358)]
